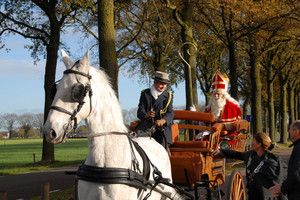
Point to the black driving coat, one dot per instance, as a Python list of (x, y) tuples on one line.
[(258, 186), (291, 186), (147, 102)]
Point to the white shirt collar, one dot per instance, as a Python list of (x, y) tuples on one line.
[(154, 92)]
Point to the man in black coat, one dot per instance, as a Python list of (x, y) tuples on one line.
[(156, 108), (291, 186)]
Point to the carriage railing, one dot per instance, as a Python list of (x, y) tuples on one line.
[(190, 159), (207, 144), (196, 129)]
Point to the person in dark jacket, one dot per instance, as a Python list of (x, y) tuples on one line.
[(156, 108), (291, 186), (261, 166)]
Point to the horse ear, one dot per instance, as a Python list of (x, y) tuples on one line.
[(66, 59), (85, 58)]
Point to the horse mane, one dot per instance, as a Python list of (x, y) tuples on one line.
[(106, 106)]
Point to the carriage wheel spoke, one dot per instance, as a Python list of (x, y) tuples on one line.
[(237, 189)]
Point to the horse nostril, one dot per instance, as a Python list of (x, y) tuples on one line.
[(52, 134)]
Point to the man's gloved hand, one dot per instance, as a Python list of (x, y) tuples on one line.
[(150, 114), (160, 122)]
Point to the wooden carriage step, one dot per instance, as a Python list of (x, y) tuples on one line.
[(217, 170), (218, 162)]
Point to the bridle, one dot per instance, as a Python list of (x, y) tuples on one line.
[(79, 92)]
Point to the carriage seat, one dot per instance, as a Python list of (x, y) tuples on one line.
[(216, 128), (241, 125), (134, 125), (238, 126)]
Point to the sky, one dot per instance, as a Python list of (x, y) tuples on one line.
[(22, 82)]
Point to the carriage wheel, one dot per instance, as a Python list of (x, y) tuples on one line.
[(236, 188), (224, 145)]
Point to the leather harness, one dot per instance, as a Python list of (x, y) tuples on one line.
[(114, 175)]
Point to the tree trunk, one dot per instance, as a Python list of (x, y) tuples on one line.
[(233, 77), (188, 82), (271, 115), (291, 98), (277, 120), (256, 93), (297, 105), (184, 18), (265, 127), (107, 49), (10, 134), (245, 107), (51, 62), (190, 71), (283, 110)]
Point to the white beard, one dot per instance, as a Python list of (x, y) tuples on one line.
[(216, 106)]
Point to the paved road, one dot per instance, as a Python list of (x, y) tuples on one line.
[(28, 185)]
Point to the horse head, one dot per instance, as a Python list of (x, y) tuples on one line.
[(71, 101)]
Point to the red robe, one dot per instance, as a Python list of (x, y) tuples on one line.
[(229, 114)]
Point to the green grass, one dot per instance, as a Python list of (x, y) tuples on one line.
[(60, 195), (228, 170), (283, 146), (17, 155)]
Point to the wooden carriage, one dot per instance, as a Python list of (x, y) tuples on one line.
[(191, 161)]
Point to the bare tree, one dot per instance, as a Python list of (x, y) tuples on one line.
[(9, 123), (26, 123), (130, 115), (38, 123)]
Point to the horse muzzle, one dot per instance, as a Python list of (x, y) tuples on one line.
[(52, 136)]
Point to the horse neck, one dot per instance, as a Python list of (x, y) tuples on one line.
[(106, 116), (109, 151)]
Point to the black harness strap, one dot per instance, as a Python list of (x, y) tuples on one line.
[(71, 71), (61, 110), (111, 175), (146, 161)]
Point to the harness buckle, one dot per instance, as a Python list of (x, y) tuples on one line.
[(130, 175)]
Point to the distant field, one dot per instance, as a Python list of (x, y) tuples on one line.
[(17, 155)]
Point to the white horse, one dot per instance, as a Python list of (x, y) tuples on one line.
[(84, 93)]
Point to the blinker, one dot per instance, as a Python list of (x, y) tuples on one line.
[(78, 92)]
